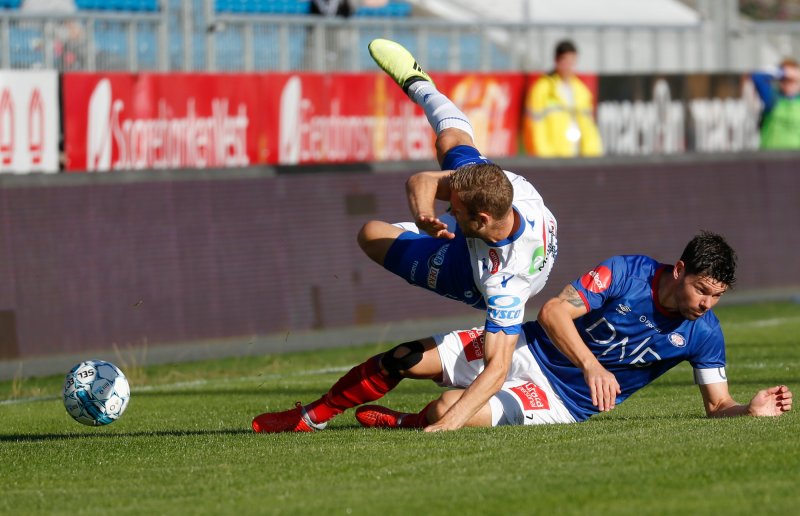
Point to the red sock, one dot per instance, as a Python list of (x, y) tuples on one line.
[(363, 383), (418, 420)]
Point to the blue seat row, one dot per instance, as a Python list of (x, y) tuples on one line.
[(391, 9), (118, 5), (263, 6)]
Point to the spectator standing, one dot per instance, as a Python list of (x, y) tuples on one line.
[(779, 90), (559, 120)]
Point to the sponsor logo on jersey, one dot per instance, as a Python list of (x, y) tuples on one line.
[(504, 307), (650, 324), (504, 281), (531, 396), (472, 341), (597, 280), (676, 339), (623, 309), (538, 262), (495, 260)]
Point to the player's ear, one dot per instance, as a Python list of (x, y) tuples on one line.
[(484, 219), (679, 269)]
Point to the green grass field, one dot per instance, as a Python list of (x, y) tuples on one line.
[(184, 446)]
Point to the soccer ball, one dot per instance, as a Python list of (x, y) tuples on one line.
[(96, 393)]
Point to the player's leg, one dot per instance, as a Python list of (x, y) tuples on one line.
[(376, 238), (450, 124), (366, 382), (377, 416)]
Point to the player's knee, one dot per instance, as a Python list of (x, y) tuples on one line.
[(450, 138), (441, 405), (402, 357)]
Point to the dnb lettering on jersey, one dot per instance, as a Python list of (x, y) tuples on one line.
[(597, 280), (638, 355), (472, 341), (531, 396)]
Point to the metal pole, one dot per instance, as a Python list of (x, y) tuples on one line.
[(249, 57), (133, 61), (163, 39), (5, 26), (188, 30), (211, 37)]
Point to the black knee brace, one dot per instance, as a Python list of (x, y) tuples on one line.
[(402, 357)]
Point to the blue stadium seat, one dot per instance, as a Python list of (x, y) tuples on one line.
[(10, 4), (277, 7), (118, 5), (393, 9)]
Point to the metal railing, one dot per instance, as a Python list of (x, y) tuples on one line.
[(179, 39)]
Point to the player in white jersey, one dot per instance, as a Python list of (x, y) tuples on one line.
[(493, 251)]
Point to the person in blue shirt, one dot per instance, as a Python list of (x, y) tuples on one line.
[(608, 334), (779, 90)]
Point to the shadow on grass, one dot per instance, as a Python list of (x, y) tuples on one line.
[(23, 438), (160, 433), (299, 393)]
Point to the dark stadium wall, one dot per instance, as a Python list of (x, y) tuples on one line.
[(93, 261)]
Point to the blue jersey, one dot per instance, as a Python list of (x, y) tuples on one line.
[(629, 332)]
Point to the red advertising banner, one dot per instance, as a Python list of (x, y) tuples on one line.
[(157, 121)]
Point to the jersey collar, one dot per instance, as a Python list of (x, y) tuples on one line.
[(654, 292), (518, 233)]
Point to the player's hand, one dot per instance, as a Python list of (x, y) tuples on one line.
[(603, 386), (440, 426), (434, 227), (771, 402)]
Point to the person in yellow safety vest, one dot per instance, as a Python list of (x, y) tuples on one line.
[(559, 118)]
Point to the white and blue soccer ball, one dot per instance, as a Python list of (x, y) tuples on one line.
[(96, 393)]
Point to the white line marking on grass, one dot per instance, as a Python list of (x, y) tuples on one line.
[(198, 382), (762, 323)]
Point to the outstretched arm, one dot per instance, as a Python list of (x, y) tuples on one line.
[(498, 348), (767, 402), (556, 318), (423, 189)]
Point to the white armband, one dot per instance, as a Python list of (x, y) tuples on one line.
[(707, 376)]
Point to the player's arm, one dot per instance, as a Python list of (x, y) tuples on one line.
[(556, 318), (498, 348), (767, 402), (423, 189)]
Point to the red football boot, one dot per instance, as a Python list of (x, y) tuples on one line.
[(292, 420), (375, 416)]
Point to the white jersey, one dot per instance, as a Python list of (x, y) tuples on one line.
[(499, 277), (509, 272)]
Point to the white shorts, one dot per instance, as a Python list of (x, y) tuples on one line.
[(526, 398)]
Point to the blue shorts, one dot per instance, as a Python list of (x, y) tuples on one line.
[(436, 264), (463, 155)]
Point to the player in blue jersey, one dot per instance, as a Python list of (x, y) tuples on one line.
[(608, 334), (493, 251)]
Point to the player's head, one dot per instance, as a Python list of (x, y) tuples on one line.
[(566, 57), (790, 82), (481, 196), (706, 269)]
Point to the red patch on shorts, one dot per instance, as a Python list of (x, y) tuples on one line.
[(472, 340), (533, 398)]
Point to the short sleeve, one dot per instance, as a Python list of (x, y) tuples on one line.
[(602, 283)]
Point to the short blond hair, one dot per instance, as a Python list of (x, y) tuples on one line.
[(483, 188)]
